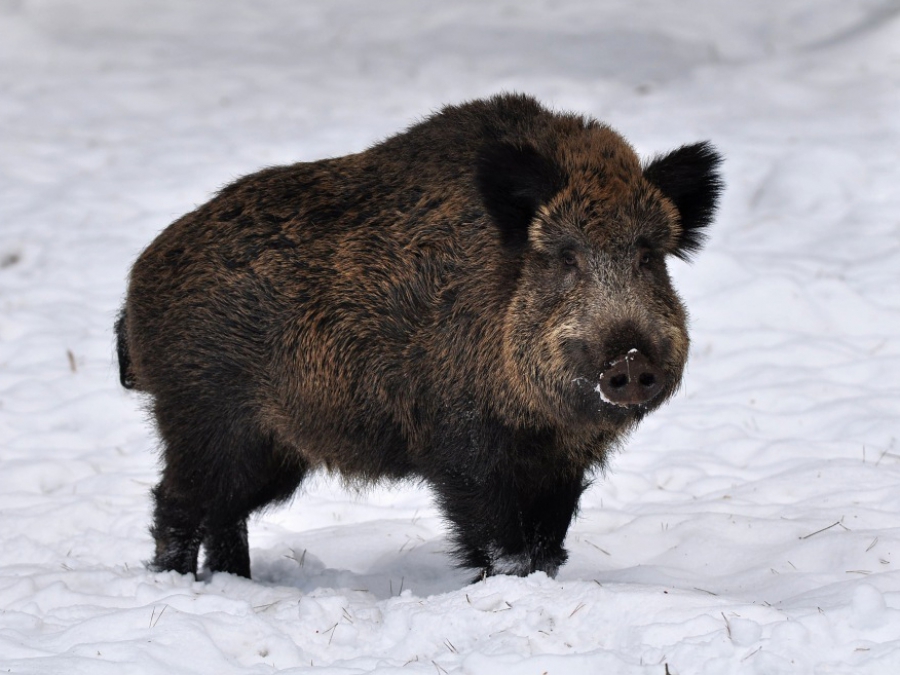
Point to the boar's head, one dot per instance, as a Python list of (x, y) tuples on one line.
[(595, 333)]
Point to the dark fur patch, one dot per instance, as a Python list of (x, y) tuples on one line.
[(126, 377), (689, 177), (514, 181)]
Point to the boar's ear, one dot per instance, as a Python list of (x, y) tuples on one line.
[(514, 181), (689, 177)]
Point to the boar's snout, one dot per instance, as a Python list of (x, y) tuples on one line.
[(631, 380)]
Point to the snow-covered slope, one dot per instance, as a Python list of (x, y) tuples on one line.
[(751, 526)]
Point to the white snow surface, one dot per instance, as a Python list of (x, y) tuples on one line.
[(752, 525)]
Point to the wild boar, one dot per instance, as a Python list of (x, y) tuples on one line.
[(481, 301)]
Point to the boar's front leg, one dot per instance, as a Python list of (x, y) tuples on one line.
[(510, 514)]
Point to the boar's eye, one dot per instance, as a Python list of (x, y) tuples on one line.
[(644, 258), (569, 257)]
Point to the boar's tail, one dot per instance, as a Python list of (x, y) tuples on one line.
[(126, 375)]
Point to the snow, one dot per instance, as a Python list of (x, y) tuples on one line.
[(752, 525)]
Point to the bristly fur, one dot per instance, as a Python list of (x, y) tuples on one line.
[(689, 177), (442, 306), (514, 181)]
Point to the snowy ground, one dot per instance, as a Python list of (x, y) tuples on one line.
[(751, 526)]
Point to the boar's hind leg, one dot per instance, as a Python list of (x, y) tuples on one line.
[(211, 483), (177, 529), (509, 521), (273, 480)]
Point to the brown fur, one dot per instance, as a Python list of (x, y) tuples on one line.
[(371, 315)]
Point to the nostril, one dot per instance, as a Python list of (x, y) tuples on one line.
[(647, 379), (619, 381)]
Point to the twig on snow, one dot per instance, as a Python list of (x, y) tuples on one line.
[(605, 552), (835, 524), (331, 630), (755, 651), (300, 560), (158, 617)]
